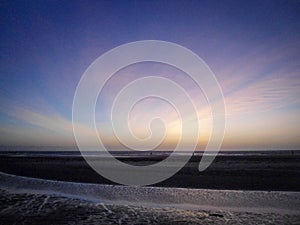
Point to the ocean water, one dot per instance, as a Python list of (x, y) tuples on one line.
[(40, 151)]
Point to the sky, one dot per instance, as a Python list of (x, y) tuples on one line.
[(253, 48)]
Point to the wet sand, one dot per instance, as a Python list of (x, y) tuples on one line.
[(38, 201), (269, 172), (42, 209)]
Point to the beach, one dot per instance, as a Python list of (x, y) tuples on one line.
[(150, 112), (35, 201), (270, 172), (63, 189)]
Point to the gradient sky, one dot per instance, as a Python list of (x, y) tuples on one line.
[(253, 47)]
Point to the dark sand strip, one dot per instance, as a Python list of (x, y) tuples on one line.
[(276, 173)]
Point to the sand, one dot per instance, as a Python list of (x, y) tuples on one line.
[(234, 190), (270, 172), (38, 201)]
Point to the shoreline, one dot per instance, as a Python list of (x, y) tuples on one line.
[(279, 202), (43, 201)]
